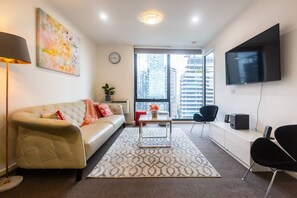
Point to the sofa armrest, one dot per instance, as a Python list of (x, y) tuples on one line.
[(117, 109), (48, 143)]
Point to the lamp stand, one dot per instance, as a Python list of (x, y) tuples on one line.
[(8, 182)]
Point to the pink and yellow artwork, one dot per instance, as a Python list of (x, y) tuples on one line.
[(57, 48)]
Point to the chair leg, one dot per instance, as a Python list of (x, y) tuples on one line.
[(247, 172), (271, 182), (192, 128), (202, 130)]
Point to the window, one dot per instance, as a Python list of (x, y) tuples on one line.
[(151, 81), (179, 82)]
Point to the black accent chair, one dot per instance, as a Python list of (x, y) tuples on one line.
[(266, 134), (207, 114), (267, 153)]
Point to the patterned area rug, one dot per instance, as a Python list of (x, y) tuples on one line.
[(125, 159)]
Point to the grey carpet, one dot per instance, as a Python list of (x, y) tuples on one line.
[(62, 183), (126, 160)]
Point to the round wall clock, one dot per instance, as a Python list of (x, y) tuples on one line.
[(114, 57)]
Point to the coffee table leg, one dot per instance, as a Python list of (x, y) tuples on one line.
[(140, 134), (170, 128), (166, 124)]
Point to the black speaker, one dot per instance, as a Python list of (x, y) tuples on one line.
[(239, 121), (226, 118), (267, 132)]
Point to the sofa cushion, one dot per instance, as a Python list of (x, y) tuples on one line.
[(116, 120), (94, 135)]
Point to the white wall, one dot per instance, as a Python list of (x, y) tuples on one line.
[(120, 76), (31, 85), (279, 102)]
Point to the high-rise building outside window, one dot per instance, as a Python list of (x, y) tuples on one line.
[(179, 83)]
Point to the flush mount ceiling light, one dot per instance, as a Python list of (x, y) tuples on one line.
[(151, 17)]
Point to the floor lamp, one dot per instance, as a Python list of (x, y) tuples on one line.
[(13, 49)]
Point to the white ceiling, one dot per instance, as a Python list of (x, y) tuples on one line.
[(176, 30)]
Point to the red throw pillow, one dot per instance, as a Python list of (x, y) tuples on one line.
[(104, 110), (97, 111), (59, 115)]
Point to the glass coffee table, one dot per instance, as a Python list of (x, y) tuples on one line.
[(149, 120)]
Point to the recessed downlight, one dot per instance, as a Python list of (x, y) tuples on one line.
[(103, 16), (195, 19)]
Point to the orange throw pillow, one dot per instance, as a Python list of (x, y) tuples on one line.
[(104, 110)]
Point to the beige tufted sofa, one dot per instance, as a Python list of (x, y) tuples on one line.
[(57, 144)]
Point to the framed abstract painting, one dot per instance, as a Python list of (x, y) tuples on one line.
[(57, 48)]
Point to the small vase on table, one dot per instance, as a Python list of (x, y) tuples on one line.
[(154, 114)]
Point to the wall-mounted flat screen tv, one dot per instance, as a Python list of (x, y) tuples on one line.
[(256, 60)]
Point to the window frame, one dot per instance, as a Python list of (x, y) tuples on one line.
[(204, 77), (151, 100)]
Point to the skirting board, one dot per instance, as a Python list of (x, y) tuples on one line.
[(185, 122), (11, 167), (292, 174), (130, 122)]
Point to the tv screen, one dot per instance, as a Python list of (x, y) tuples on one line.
[(256, 60)]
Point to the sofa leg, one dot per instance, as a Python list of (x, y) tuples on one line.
[(124, 125), (19, 171), (79, 173)]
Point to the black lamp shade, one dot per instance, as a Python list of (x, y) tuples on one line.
[(13, 49)]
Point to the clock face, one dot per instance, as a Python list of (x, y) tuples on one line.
[(114, 57)]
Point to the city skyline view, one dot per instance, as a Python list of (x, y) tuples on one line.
[(187, 82)]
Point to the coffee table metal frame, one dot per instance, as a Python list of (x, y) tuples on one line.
[(148, 119)]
